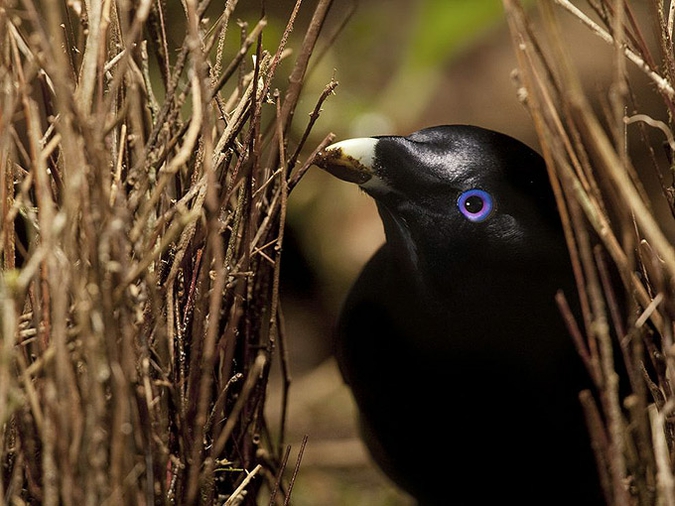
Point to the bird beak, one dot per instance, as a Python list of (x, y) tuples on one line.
[(352, 160)]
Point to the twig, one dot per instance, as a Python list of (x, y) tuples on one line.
[(662, 84), (296, 470), (664, 476), (239, 492), (655, 124), (280, 473)]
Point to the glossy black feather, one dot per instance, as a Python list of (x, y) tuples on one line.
[(464, 374)]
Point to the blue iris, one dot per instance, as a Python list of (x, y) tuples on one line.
[(476, 205)]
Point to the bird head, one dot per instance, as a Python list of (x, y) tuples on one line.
[(455, 196)]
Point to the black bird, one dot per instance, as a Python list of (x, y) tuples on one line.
[(464, 374)]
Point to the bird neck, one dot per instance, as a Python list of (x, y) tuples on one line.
[(400, 246)]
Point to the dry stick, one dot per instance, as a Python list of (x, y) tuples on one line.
[(236, 61), (272, 215), (141, 15), (590, 205), (148, 414), (612, 302), (117, 175), (296, 470), (217, 67), (528, 61), (266, 225), (602, 227), (295, 179), (147, 83), (268, 83), (89, 69), (318, 56), (660, 125), (50, 61), (163, 41), (209, 354), (53, 298), (251, 209), (280, 473), (285, 188), (252, 378), (619, 82), (646, 314), (18, 468), (636, 34), (235, 122), (44, 278), (639, 448), (611, 165), (296, 79), (609, 388), (147, 390), (665, 483), (313, 117), (219, 404), (551, 150), (516, 19), (178, 359), (27, 381), (662, 84), (274, 303), (188, 217), (609, 391), (608, 385), (184, 153), (49, 449), (599, 441), (219, 30), (7, 202), (286, 375), (198, 192), (251, 137), (169, 103), (667, 54), (282, 46), (235, 498), (633, 32), (215, 242), (577, 337), (9, 327)]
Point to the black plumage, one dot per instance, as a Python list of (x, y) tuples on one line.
[(465, 376)]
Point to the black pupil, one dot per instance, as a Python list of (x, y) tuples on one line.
[(474, 204)]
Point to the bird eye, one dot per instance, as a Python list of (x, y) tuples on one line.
[(476, 205)]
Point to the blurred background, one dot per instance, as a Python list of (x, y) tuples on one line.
[(401, 66)]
